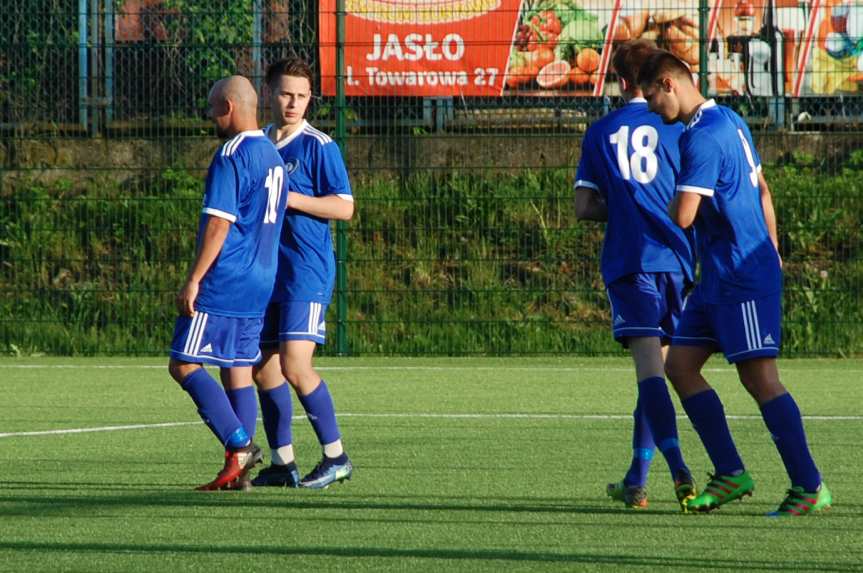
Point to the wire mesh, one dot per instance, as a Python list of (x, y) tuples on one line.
[(461, 152)]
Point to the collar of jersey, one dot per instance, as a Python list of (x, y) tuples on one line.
[(283, 142), (706, 105), (252, 133), (637, 100)]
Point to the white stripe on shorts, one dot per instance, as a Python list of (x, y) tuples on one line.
[(203, 324), (755, 322), (191, 334), (750, 325)]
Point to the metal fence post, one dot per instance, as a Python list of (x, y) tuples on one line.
[(109, 60), (703, 23), (257, 41), (82, 64), (341, 227)]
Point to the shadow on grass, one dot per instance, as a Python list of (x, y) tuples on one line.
[(664, 562), (52, 504)]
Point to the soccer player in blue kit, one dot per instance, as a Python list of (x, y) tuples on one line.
[(222, 303), (294, 325), (626, 177), (736, 306)]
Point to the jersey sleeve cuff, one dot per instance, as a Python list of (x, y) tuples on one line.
[(220, 214), (585, 183), (345, 196), (694, 189)]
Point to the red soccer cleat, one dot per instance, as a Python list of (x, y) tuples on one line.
[(237, 465)]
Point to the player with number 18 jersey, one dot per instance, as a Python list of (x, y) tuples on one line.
[(626, 176)]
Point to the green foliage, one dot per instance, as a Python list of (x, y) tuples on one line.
[(37, 35), (211, 32), (439, 263)]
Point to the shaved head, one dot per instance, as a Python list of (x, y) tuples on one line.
[(233, 105)]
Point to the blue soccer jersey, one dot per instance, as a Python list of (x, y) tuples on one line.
[(632, 158), (246, 185), (719, 162), (307, 264)]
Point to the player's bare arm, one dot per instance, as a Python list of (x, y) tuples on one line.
[(683, 209), (327, 207), (589, 205), (215, 233), (769, 212)]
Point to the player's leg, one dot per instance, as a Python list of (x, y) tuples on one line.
[(228, 342), (315, 397), (277, 413), (240, 389), (632, 490), (654, 399), (631, 317), (730, 479), (303, 328), (207, 394), (753, 335), (692, 345), (275, 397), (213, 405)]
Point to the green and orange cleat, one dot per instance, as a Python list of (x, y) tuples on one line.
[(720, 490), (632, 496), (684, 489), (799, 503)]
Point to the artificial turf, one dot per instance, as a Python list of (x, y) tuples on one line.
[(472, 464)]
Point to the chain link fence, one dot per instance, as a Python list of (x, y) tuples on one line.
[(461, 147)]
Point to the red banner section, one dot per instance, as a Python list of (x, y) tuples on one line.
[(555, 47), (419, 48)]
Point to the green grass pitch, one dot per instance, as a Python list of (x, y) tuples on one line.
[(461, 464)]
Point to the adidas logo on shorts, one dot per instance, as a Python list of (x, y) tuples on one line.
[(618, 320), (769, 340)]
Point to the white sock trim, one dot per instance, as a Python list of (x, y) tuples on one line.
[(283, 455), (334, 449)]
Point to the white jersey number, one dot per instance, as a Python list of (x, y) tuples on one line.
[(275, 178), (643, 163), (753, 175)]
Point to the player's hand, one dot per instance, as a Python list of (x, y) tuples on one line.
[(186, 298)]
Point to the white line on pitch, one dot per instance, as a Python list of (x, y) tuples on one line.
[(513, 416)]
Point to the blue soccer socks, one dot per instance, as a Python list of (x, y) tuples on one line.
[(321, 413), (659, 411), (782, 417), (245, 406), (215, 409), (707, 415), (277, 410), (642, 450)]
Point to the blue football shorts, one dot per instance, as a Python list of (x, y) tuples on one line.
[(740, 330), (294, 320), (646, 304), (224, 341)]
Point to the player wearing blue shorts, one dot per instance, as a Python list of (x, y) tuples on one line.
[(736, 306), (294, 324), (223, 301), (626, 176)]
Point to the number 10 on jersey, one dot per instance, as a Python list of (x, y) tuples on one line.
[(643, 163), (275, 179)]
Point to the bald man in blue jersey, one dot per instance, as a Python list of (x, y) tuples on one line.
[(222, 302)]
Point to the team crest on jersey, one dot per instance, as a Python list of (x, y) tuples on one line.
[(292, 165)]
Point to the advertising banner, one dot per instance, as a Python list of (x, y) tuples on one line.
[(495, 47)]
